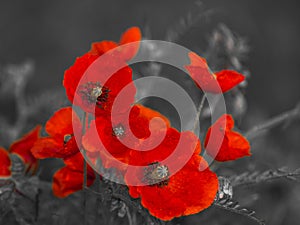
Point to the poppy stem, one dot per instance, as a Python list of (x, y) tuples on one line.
[(128, 216), (84, 174), (200, 107), (284, 117)]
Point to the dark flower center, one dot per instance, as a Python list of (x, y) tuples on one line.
[(156, 174), (118, 130), (93, 92), (67, 138)]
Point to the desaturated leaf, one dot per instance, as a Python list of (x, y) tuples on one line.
[(6, 189), (234, 207), (255, 177)]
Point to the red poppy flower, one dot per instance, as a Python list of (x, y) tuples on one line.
[(96, 90), (218, 82), (225, 143), (69, 179), (168, 194), (5, 164), (61, 142), (132, 35), (23, 147), (94, 84), (112, 133)]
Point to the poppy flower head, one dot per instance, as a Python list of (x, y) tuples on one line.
[(61, 142), (208, 81), (156, 174), (224, 144), (104, 139), (157, 165), (119, 135), (94, 93), (94, 84), (96, 78), (175, 195), (166, 190), (23, 147)]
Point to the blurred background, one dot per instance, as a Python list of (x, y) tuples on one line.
[(53, 33)]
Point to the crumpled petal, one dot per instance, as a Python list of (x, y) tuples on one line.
[(61, 142), (226, 144), (5, 163), (23, 148), (219, 82), (69, 179)]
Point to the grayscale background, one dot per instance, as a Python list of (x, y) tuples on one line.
[(53, 33)]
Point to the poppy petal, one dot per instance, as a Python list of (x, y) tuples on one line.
[(216, 83), (179, 197), (226, 144), (61, 143), (228, 79), (73, 75), (23, 148), (99, 48), (134, 35), (5, 163), (48, 147), (63, 122), (69, 179)]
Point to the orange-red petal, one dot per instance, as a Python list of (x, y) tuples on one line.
[(23, 148), (226, 144), (100, 138), (132, 35), (63, 122), (228, 79), (73, 74), (104, 74), (99, 48), (110, 74), (189, 191), (48, 147), (69, 179), (5, 163), (218, 82), (158, 121), (61, 143)]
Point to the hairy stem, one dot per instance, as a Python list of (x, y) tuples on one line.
[(286, 116), (200, 107), (84, 185), (235, 208), (129, 216)]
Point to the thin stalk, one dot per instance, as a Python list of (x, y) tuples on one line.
[(128, 216), (286, 116), (200, 107), (84, 185)]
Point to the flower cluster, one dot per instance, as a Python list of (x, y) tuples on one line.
[(138, 142)]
